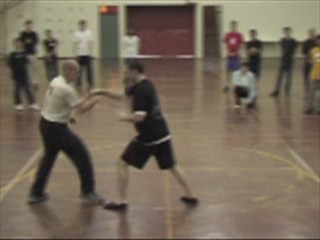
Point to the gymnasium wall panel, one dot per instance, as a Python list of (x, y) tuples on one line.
[(164, 30)]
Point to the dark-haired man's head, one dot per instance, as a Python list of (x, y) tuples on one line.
[(28, 25), (134, 74), (253, 33), (287, 32), (312, 33), (244, 67), (135, 70), (48, 33), (131, 31), (82, 25), (233, 26)]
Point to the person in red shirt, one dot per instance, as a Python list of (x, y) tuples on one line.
[(234, 41)]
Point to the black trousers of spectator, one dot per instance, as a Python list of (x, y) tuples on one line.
[(243, 92), (52, 69), (22, 84), (240, 92), (285, 69), (85, 63), (58, 137), (255, 67), (306, 77)]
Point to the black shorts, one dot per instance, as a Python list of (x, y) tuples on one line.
[(138, 154)]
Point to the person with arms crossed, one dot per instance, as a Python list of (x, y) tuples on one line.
[(153, 138), (288, 48), (254, 51), (50, 45), (61, 100), (234, 41), (30, 41), (131, 46), (83, 50)]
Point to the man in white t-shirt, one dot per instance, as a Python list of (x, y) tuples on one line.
[(61, 100), (83, 50), (131, 46)]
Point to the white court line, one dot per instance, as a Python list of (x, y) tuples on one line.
[(301, 161), (20, 174)]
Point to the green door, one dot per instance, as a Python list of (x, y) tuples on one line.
[(109, 36)]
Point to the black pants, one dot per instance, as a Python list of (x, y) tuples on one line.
[(85, 64), (52, 69), (306, 77), (255, 68), (22, 84), (58, 137), (284, 70), (240, 92)]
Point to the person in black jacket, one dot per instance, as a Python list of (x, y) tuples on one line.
[(153, 139), (30, 41), (50, 45), (18, 62), (288, 48), (308, 44), (254, 50)]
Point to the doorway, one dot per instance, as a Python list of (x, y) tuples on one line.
[(212, 32)]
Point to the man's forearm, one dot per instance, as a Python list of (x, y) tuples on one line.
[(108, 93), (132, 118)]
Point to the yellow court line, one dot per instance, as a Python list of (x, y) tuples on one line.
[(300, 172), (20, 175), (168, 207), (301, 161)]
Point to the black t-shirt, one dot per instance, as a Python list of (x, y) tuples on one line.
[(288, 47), (307, 46), (145, 99), (18, 64), (254, 58), (50, 45), (30, 41)]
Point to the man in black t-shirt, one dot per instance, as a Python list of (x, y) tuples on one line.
[(288, 48), (254, 50), (30, 41), (308, 44), (153, 137), (50, 45)]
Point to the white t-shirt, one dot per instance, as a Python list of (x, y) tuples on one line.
[(59, 100), (82, 39), (131, 46)]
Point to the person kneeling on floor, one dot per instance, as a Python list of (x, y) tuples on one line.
[(245, 87)]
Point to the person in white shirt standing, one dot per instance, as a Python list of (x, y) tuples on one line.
[(131, 46), (245, 86), (83, 50), (61, 100)]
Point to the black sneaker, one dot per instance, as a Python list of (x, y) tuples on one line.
[(274, 94), (308, 111), (34, 199), (190, 200), (226, 89), (116, 206), (91, 198)]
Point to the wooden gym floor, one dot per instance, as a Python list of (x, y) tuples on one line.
[(256, 174)]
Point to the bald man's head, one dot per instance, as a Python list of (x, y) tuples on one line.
[(70, 70)]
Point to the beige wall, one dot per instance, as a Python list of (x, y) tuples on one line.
[(267, 16)]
